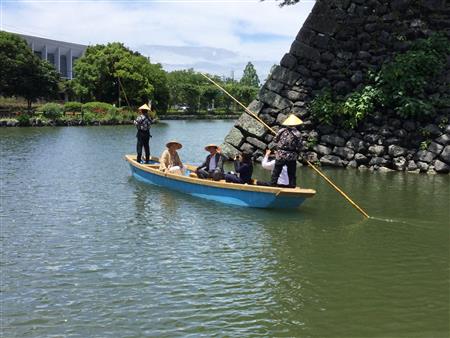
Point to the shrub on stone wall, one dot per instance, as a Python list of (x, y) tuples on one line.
[(73, 107), (401, 85), (98, 108), (51, 110)]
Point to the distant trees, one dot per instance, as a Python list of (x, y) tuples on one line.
[(250, 77), (113, 73), (189, 88), (24, 74)]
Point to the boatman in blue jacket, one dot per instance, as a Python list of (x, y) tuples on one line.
[(143, 123)]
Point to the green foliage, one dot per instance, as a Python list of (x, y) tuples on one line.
[(24, 74), (250, 77), (191, 89), (113, 73), (324, 108), (348, 112), (424, 144), (51, 110), (311, 142), (89, 118), (73, 107), (401, 84), (100, 108), (358, 105), (24, 119)]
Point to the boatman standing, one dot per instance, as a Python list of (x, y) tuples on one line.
[(288, 142), (143, 123)]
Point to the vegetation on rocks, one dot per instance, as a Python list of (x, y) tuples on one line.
[(401, 86)]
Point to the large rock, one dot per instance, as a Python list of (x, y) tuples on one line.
[(334, 140), (229, 151), (257, 143), (376, 150), (251, 125), (234, 137), (411, 166), (399, 163), (424, 156), (285, 75), (432, 130), (274, 100), (322, 19), (344, 152), (378, 161), (444, 139), (255, 106), (361, 159), (435, 147), (247, 148), (423, 166), (356, 144), (322, 150), (441, 167), (445, 155), (304, 51), (274, 86), (288, 61), (331, 160), (396, 151)]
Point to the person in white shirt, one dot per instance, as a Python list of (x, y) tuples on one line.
[(283, 179)]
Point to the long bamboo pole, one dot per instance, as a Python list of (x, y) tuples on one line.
[(357, 207)]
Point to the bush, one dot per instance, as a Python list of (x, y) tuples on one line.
[(73, 107), (98, 108), (24, 119), (401, 84), (89, 118), (51, 110), (323, 107)]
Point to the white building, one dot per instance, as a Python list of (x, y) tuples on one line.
[(60, 54)]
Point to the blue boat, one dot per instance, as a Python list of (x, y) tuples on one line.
[(229, 193)]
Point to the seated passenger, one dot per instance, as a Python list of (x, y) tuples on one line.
[(213, 165), (269, 164), (244, 168), (169, 161)]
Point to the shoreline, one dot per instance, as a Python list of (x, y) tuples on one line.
[(13, 122)]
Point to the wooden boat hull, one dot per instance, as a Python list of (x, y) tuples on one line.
[(228, 193)]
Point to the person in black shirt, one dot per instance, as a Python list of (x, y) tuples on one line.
[(244, 169), (143, 123)]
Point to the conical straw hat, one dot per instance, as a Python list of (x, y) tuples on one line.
[(292, 120), (144, 107), (211, 146), (179, 145)]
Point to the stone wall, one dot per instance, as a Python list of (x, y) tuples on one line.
[(339, 43)]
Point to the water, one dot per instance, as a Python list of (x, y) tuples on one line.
[(88, 251)]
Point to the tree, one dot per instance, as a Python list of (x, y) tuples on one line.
[(113, 73), (250, 77), (24, 74)]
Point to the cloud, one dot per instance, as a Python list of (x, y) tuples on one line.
[(236, 31)]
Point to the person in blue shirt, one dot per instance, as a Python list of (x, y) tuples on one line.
[(243, 167)]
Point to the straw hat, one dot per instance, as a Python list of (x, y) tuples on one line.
[(144, 107), (179, 145), (211, 146), (292, 120)]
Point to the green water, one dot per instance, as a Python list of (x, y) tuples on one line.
[(88, 251)]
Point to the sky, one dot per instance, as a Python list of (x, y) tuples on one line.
[(217, 36)]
